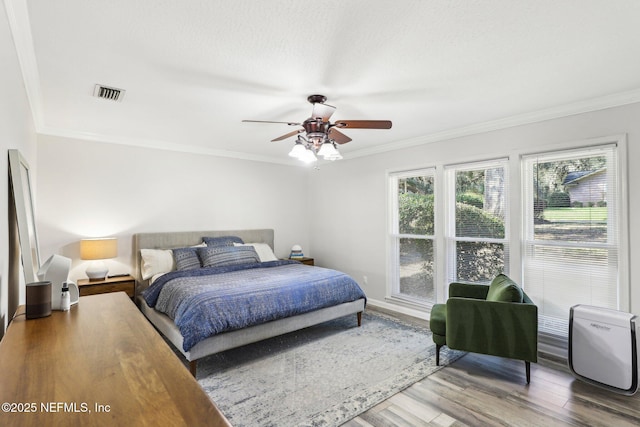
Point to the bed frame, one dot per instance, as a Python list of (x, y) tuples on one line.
[(232, 339)]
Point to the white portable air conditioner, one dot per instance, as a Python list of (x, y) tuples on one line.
[(603, 349)]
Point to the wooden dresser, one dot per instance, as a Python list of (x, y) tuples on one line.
[(99, 364)]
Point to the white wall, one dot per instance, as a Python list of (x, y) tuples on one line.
[(353, 192), (89, 189), (338, 214), (16, 131)]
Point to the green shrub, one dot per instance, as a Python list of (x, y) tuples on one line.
[(416, 213), (577, 204), (416, 217), (559, 199), (601, 204), (476, 261), (474, 222), (473, 199)]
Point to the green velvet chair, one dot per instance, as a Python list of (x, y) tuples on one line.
[(497, 319)]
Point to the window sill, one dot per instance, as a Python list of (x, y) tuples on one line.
[(411, 303)]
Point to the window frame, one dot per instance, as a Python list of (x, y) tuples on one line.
[(393, 236), (450, 237), (516, 228), (549, 340)]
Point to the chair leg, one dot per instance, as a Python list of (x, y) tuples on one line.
[(527, 365), (438, 347)]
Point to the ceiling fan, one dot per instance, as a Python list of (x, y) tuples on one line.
[(321, 136)]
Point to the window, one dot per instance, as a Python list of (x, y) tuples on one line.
[(412, 235), (477, 226), (571, 233)]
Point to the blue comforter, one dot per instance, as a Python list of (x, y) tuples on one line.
[(209, 301)]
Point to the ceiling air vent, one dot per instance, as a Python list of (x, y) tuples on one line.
[(110, 93)]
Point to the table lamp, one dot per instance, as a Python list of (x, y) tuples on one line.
[(98, 250)]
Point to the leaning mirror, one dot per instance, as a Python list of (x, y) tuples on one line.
[(23, 198)]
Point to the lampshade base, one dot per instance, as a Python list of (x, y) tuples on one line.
[(97, 270)]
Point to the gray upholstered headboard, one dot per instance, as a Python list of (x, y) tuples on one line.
[(180, 239)]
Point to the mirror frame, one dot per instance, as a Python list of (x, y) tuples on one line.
[(25, 215)]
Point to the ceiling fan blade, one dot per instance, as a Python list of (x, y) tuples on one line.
[(288, 135), (322, 110), (269, 121), (364, 124), (337, 136)]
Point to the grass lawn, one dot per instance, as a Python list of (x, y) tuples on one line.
[(575, 214)]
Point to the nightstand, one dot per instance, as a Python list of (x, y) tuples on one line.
[(110, 284), (305, 260)]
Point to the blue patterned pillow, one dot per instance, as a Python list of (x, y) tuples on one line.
[(222, 241), (218, 256), (186, 258)]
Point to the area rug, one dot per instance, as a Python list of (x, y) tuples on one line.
[(324, 375)]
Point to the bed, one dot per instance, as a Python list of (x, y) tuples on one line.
[(194, 346)]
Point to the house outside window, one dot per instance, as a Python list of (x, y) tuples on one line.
[(586, 188), (572, 239)]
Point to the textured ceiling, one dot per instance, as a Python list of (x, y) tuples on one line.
[(192, 70)]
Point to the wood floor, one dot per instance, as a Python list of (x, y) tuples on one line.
[(480, 390)]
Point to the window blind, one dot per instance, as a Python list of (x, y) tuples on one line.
[(412, 237), (477, 221), (571, 232)]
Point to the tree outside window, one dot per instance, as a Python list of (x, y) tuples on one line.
[(477, 241), (571, 241), (413, 236)]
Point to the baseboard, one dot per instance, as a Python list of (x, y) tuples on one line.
[(553, 345), (398, 309)]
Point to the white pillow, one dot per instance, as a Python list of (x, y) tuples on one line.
[(156, 261), (159, 261), (262, 249)]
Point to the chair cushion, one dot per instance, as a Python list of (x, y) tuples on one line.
[(438, 319), (503, 289)]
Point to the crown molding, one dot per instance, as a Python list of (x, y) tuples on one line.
[(162, 145), (594, 104), (18, 17)]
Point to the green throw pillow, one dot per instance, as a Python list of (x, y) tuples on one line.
[(504, 289)]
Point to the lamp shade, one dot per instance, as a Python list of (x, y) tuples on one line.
[(297, 151), (99, 248), (327, 150), (308, 156)]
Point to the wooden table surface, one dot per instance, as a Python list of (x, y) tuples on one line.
[(99, 364)]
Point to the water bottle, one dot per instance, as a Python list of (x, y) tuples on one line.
[(65, 298)]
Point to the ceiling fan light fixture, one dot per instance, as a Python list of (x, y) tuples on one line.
[(298, 150), (327, 150), (316, 138), (321, 136), (334, 157), (308, 156)]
